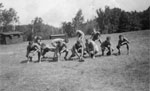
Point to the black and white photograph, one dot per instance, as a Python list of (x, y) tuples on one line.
[(74, 45)]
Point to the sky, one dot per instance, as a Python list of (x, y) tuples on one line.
[(54, 12)]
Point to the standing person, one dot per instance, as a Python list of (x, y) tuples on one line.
[(106, 45), (96, 36), (122, 41), (60, 46), (81, 37), (91, 48)]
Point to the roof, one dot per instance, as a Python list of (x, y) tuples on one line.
[(10, 33)]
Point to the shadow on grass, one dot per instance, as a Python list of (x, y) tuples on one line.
[(50, 59), (24, 61), (46, 59)]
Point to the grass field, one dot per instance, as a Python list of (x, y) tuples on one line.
[(112, 73)]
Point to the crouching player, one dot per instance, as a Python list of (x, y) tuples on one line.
[(32, 49), (91, 48), (60, 46), (96, 36), (46, 48), (106, 45), (77, 50), (122, 41)]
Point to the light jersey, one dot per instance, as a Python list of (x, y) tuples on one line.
[(56, 41), (92, 46), (44, 46), (80, 35)]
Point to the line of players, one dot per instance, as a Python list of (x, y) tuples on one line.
[(81, 48)]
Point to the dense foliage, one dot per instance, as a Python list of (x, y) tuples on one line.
[(107, 21), (112, 21)]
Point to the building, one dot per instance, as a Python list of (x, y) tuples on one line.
[(11, 37)]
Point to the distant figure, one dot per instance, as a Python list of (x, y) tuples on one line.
[(106, 45), (60, 46), (77, 50), (96, 36), (32, 49), (122, 41), (91, 48)]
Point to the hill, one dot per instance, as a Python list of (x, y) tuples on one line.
[(112, 73)]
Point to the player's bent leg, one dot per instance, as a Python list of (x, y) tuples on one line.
[(103, 50), (92, 54), (118, 47), (39, 57), (109, 51), (127, 48), (66, 53)]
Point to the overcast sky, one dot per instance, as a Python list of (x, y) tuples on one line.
[(54, 12)]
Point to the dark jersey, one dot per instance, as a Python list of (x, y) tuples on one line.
[(123, 41), (32, 48), (95, 36), (105, 44), (62, 46), (77, 46), (89, 46)]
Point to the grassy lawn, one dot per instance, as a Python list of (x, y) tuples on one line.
[(107, 73)]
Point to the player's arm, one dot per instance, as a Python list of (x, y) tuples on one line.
[(76, 52), (27, 53), (99, 39), (91, 36), (64, 48), (126, 41), (54, 43)]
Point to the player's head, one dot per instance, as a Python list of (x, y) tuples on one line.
[(38, 39), (108, 38), (30, 42), (43, 45), (78, 32), (78, 42), (121, 37), (66, 40), (87, 40)]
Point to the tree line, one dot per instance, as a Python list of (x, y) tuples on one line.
[(109, 20), (9, 21)]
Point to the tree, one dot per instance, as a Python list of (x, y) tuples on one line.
[(1, 16), (145, 19), (100, 19), (9, 17), (124, 24), (37, 25), (78, 20), (134, 21), (68, 28)]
